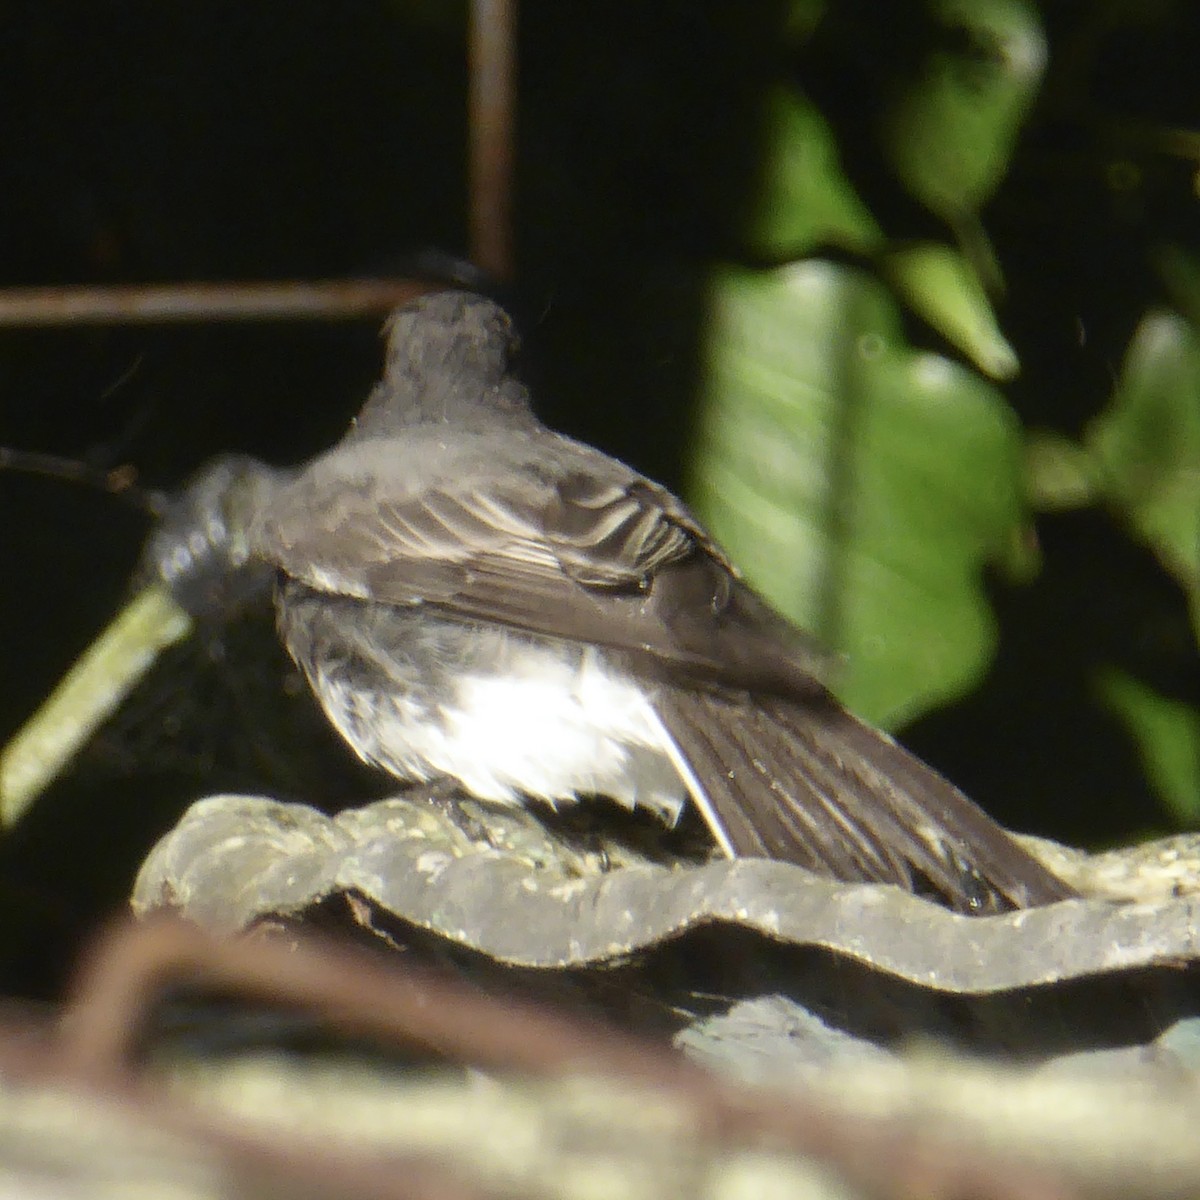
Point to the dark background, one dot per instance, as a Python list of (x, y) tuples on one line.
[(261, 139)]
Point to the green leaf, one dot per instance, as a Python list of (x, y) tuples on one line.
[(1060, 473), (1147, 444), (1167, 735), (939, 284), (860, 484), (1146, 447), (804, 200), (949, 135)]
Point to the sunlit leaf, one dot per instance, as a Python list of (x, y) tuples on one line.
[(949, 135), (859, 483), (804, 201), (940, 285), (1147, 443)]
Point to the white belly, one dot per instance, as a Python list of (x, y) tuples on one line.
[(534, 723)]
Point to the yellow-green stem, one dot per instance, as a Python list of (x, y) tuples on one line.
[(87, 695)]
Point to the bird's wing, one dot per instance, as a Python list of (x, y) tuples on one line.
[(615, 562)]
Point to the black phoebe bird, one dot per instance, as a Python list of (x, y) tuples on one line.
[(474, 596)]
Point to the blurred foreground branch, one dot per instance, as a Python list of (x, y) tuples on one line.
[(571, 1109)]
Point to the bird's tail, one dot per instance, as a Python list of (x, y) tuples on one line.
[(806, 782)]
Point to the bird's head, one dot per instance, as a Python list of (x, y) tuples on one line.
[(449, 358)]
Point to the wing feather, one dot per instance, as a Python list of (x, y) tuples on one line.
[(616, 563)]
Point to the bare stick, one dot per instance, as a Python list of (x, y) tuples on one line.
[(492, 56), (148, 304)]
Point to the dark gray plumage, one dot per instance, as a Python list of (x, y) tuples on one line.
[(473, 595)]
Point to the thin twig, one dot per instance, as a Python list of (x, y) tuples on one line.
[(492, 57), (116, 481), (147, 304)]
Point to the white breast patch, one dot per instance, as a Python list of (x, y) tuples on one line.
[(536, 723)]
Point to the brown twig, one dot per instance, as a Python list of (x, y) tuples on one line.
[(121, 977), (492, 58), (116, 481), (148, 304)]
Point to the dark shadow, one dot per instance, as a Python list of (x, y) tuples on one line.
[(1035, 745)]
